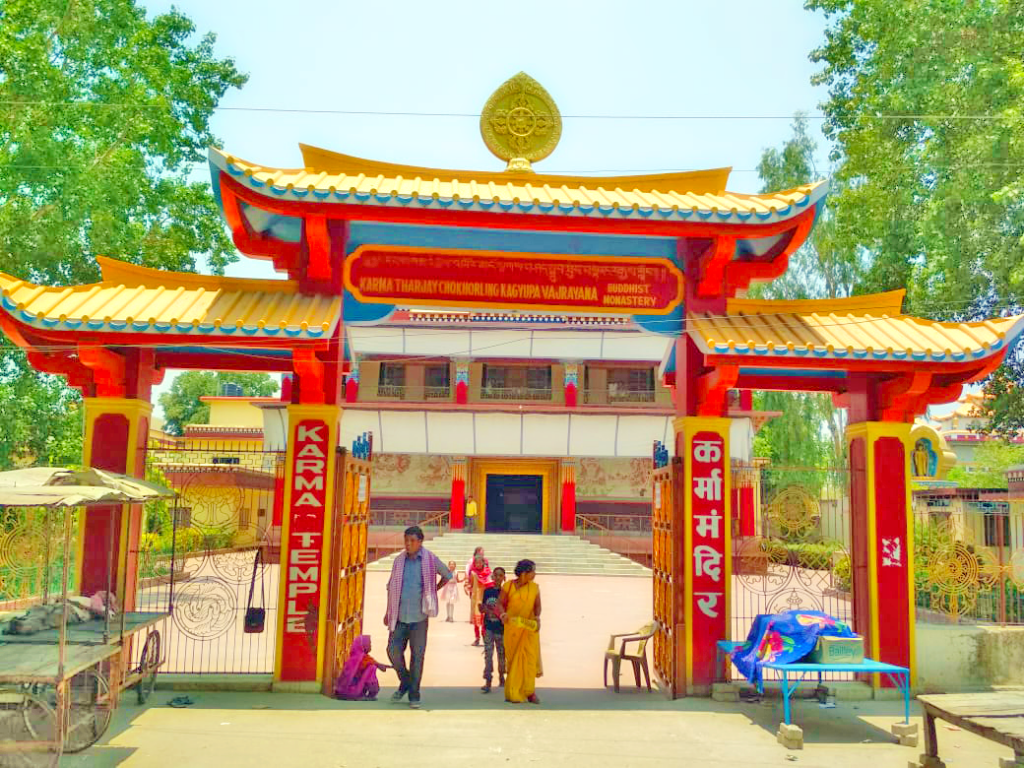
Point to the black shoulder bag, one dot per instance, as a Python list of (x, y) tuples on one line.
[(256, 618)]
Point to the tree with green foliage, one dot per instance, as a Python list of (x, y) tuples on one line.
[(809, 433), (926, 114), (991, 461), (103, 115), (182, 405)]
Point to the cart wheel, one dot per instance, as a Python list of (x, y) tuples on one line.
[(27, 717), (149, 663), (91, 709)]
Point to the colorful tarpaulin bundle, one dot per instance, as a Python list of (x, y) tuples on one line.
[(782, 638)]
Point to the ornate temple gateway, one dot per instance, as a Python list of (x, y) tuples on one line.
[(443, 258)]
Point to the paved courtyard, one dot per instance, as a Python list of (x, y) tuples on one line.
[(578, 724)]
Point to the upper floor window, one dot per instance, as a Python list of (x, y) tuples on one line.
[(516, 382), (437, 381), (391, 382), (631, 385)]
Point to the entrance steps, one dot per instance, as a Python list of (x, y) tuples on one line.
[(553, 554)]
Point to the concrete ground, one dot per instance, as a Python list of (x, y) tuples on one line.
[(579, 723), (460, 727)]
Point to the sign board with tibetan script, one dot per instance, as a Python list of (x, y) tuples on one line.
[(506, 280)]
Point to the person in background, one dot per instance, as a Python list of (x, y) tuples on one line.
[(358, 678), (494, 631), (450, 592), (412, 600), (520, 601), (479, 579), (471, 515), (466, 585)]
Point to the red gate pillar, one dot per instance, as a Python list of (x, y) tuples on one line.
[(883, 541), (116, 433), (457, 511), (703, 443), (305, 543), (568, 495)]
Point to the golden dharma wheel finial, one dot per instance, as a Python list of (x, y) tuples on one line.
[(520, 123)]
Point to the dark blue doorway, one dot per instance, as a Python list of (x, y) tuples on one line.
[(515, 503)]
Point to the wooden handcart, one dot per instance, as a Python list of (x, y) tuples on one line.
[(59, 687)]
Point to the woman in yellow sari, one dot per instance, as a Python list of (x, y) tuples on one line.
[(520, 600)]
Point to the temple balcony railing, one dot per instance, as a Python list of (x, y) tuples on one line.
[(514, 393), (413, 393), (610, 397)]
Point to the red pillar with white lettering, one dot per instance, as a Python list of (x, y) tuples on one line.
[(881, 522), (707, 546), (305, 542)]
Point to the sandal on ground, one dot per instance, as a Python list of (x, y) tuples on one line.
[(485, 688), (180, 701), (532, 698)]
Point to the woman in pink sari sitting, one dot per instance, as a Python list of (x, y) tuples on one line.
[(358, 678)]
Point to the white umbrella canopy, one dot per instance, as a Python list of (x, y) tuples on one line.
[(62, 487)]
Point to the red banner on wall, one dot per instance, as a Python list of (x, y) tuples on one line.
[(303, 571), (707, 491), (379, 274)]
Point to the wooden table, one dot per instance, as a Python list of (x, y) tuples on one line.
[(997, 716)]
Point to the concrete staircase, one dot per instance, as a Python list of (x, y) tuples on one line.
[(554, 554)]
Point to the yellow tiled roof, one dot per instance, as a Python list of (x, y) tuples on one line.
[(132, 299), (330, 177), (859, 328)]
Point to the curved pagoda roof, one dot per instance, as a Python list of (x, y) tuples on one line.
[(134, 299), (857, 328), (332, 178)]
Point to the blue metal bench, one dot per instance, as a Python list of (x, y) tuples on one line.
[(899, 676)]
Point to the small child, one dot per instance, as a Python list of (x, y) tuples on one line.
[(358, 678), (450, 591), (494, 630)]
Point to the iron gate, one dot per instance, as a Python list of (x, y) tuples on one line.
[(221, 529), (791, 543)]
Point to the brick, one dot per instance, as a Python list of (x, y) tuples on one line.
[(790, 736), (1011, 762), (907, 733), (926, 762), (725, 692)]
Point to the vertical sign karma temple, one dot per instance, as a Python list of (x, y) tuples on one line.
[(305, 536), (362, 243)]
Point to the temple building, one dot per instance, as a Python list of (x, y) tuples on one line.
[(511, 334)]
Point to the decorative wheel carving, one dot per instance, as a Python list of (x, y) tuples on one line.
[(205, 608)]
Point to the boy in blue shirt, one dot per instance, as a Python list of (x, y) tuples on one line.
[(494, 631)]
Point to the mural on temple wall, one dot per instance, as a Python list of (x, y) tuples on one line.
[(614, 478), (411, 474)]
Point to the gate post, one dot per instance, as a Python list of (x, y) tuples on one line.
[(305, 543), (568, 473), (703, 444), (883, 542), (116, 434)]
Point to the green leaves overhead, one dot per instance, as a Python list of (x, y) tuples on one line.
[(103, 116), (925, 112)]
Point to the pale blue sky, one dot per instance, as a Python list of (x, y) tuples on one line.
[(737, 59), (739, 68)]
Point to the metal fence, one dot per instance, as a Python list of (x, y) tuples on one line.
[(791, 543), (969, 558), (226, 545), (31, 555)]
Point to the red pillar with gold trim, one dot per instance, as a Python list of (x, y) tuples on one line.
[(703, 443), (116, 433), (568, 495), (457, 511), (882, 541), (305, 542)]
